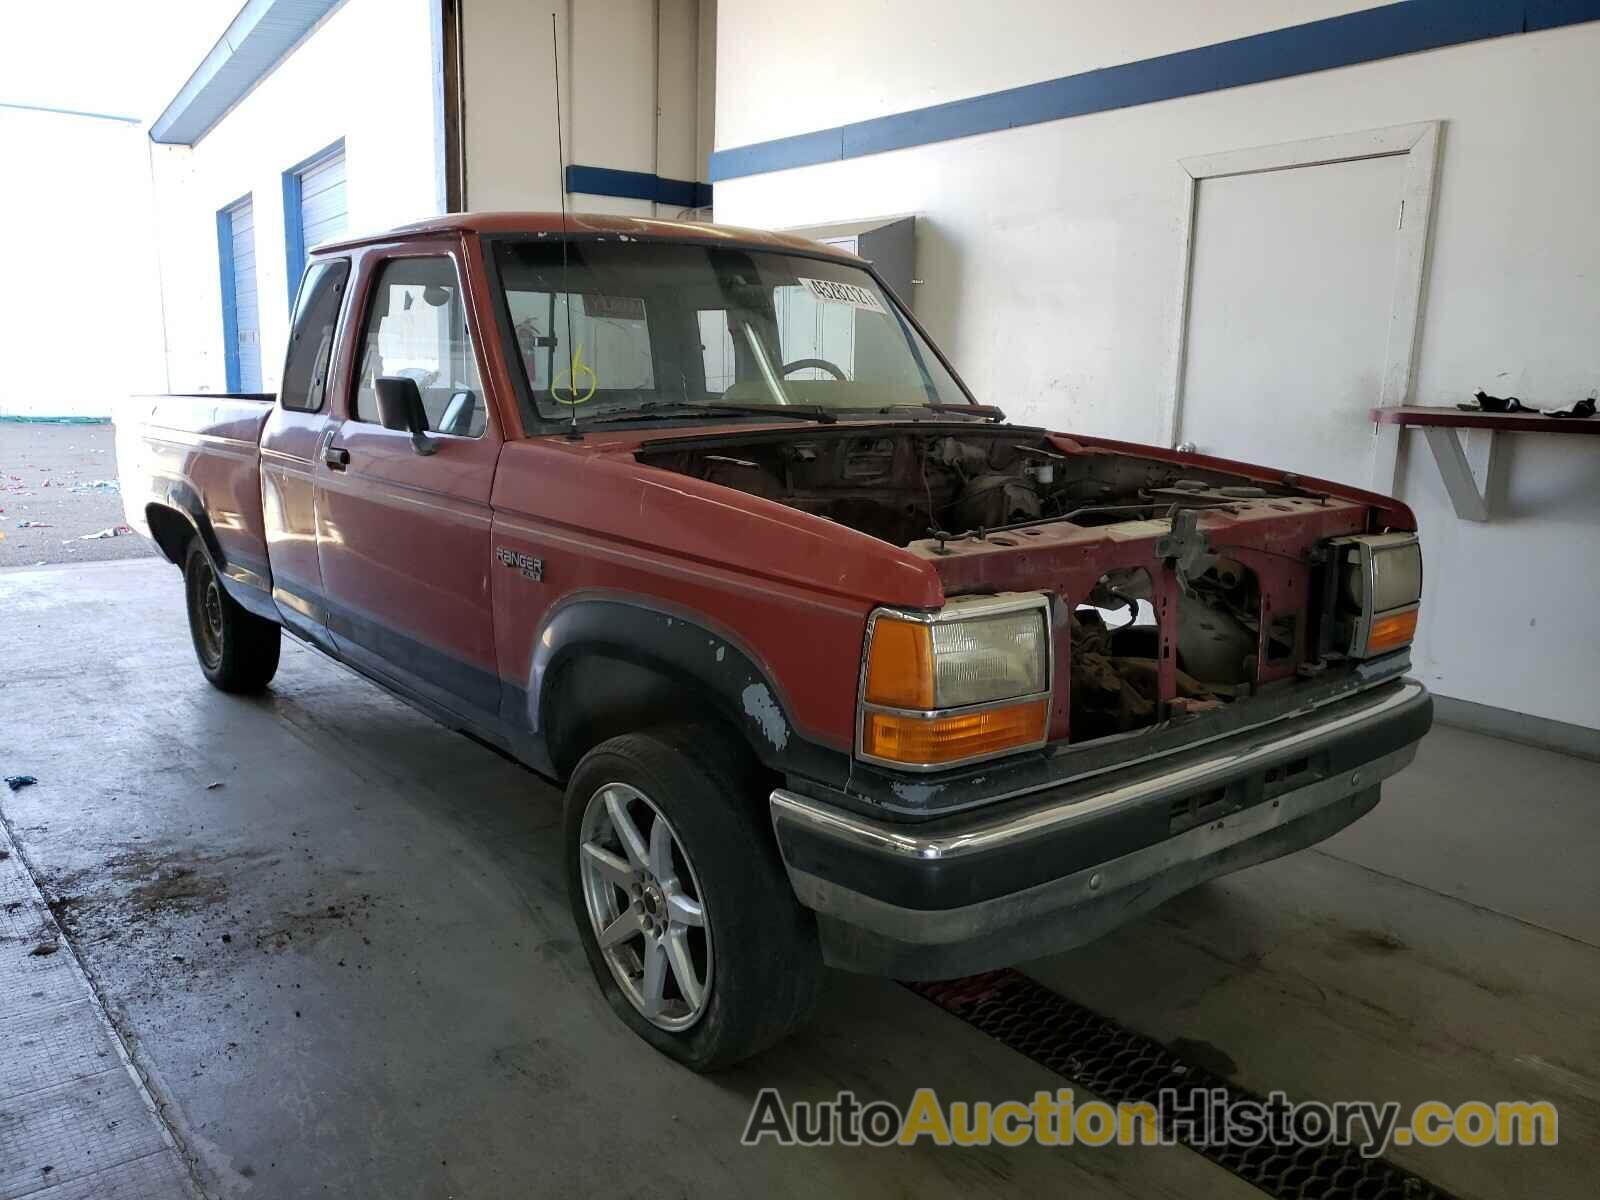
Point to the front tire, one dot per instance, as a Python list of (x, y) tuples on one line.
[(687, 917), (238, 651)]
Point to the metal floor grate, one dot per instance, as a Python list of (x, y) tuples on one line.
[(1118, 1065)]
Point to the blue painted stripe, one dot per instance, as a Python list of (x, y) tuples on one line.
[(294, 235), (1366, 36), (638, 185)]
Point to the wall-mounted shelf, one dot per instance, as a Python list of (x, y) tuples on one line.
[(1438, 424)]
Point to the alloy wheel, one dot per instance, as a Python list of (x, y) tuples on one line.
[(645, 907)]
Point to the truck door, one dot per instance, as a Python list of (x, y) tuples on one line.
[(403, 537), (291, 443)]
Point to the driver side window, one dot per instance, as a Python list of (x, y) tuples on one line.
[(416, 327)]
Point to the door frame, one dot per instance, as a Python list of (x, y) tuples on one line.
[(1419, 142)]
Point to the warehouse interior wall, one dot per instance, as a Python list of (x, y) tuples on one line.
[(365, 75), (1051, 255), (79, 317), (636, 97)]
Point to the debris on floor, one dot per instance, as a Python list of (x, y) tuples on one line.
[(109, 532), (17, 782), (55, 484), (214, 785)]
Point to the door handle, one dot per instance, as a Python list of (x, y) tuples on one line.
[(337, 457)]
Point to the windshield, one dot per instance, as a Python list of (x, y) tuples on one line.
[(657, 327)]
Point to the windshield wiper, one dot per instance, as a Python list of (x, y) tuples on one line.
[(671, 408), (987, 411)]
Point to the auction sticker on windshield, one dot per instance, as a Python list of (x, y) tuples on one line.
[(843, 293)]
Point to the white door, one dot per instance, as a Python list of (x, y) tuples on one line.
[(1291, 291)]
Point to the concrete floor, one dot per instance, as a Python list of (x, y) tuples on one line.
[(349, 969), (58, 489), (75, 1117)]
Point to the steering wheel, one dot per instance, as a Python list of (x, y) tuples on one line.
[(820, 364)]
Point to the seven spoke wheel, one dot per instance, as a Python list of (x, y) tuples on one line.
[(683, 906), (645, 907)]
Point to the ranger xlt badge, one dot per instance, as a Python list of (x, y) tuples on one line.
[(531, 567)]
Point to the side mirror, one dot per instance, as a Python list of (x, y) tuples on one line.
[(400, 407)]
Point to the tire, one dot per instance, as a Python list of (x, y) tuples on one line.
[(765, 967), (238, 651)]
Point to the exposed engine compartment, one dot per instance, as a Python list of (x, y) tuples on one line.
[(903, 485), (939, 490)]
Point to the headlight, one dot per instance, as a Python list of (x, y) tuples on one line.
[(1396, 571), (967, 682), (1381, 588)]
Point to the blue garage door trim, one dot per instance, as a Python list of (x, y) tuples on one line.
[(314, 208), (241, 313)]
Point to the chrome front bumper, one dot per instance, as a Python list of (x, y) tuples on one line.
[(1063, 866)]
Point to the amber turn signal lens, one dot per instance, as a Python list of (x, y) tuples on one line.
[(949, 739), (1391, 631), (900, 664)]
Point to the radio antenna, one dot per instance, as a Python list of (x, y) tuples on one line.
[(561, 182)]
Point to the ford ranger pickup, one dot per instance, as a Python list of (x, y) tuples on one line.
[(837, 667)]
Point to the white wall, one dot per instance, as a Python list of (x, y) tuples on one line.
[(365, 75), (632, 97), (1051, 254), (79, 311)]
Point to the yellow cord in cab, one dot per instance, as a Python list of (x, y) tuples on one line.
[(578, 368)]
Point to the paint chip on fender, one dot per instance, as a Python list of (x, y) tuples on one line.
[(760, 707)]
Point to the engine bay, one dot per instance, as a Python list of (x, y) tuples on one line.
[(903, 486), (962, 495)]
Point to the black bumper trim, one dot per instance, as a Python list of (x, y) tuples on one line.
[(1005, 849)]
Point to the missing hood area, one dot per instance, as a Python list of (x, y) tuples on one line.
[(942, 491), (903, 486)]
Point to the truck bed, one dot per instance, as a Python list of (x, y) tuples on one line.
[(200, 454)]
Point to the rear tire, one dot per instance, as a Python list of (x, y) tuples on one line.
[(238, 651), (710, 958)]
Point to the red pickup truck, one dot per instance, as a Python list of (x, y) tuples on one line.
[(837, 666)]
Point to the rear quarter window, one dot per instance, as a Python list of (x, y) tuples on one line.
[(316, 316)]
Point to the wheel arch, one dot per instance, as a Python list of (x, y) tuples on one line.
[(604, 665), (175, 515), (172, 530)]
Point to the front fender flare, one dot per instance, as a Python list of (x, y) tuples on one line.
[(688, 649)]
